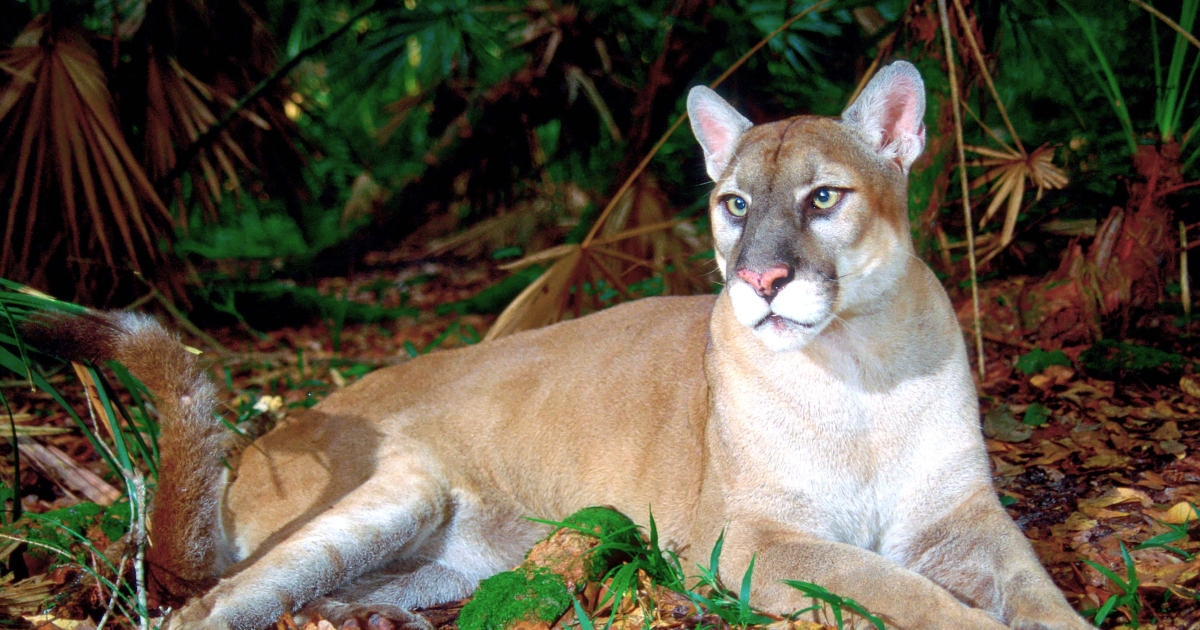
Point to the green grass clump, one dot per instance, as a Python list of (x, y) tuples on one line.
[(1113, 360), (519, 595), (610, 526)]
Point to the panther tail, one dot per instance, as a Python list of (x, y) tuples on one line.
[(188, 547)]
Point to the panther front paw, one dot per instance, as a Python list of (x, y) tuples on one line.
[(371, 617)]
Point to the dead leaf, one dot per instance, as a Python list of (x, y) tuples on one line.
[(1108, 459), (999, 424), (1180, 513), (1190, 384), (1173, 447), (1052, 376), (1117, 496), (1051, 453)]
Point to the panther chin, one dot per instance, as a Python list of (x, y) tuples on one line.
[(786, 323)]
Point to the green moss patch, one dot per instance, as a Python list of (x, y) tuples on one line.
[(504, 599)]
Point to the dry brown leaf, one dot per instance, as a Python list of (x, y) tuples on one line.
[(1051, 453), (1108, 459), (1168, 431), (1058, 374), (1190, 384), (1117, 496), (1182, 512), (68, 473)]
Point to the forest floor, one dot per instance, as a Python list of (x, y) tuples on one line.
[(1098, 473)]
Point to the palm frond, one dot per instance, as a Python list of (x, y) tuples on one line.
[(63, 145)]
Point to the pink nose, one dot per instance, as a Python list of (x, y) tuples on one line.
[(769, 282)]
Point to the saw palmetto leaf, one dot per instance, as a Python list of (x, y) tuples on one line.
[(1011, 173), (60, 145), (179, 109), (651, 246)]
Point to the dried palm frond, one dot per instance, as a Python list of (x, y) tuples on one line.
[(178, 112), (1010, 168), (60, 144), (631, 236), (653, 247), (1009, 173)]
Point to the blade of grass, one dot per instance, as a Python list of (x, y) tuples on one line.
[(1112, 85)]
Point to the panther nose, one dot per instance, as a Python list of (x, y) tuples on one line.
[(768, 283)]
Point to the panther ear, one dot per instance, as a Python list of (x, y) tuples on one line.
[(717, 127), (889, 113)]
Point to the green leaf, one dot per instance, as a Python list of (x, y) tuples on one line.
[(1102, 614), (1036, 415), (1037, 360)]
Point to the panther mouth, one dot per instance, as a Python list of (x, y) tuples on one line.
[(781, 323)]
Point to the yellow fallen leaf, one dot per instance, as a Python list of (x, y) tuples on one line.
[(1181, 512), (1077, 522), (1190, 384), (1117, 496), (50, 621)]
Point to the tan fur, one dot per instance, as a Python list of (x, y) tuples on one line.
[(832, 432)]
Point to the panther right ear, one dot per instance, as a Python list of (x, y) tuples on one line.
[(889, 113), (717, 127)]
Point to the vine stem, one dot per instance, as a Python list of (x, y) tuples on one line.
[(952, 71), (616, 198)]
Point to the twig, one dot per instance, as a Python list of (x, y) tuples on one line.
[(1016, 343), (884, 47), (952, 71), (112, 601), (987, 76), (1175, 189), (1185, 291), (616, 198), (138, 483), (1168, 21), (217, 128)]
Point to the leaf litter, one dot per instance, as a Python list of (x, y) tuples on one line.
[(1100, 473)]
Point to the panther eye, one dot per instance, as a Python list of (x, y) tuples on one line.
[(736, 206), (825, 198)]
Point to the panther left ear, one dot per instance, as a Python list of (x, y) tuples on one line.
[(889, 113), (717, 127)]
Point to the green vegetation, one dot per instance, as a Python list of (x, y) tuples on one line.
[(1174, 533), (836, 603), (1036, 415), (1126, 596), (615, 531), (1037, 360), (1114, 360), (521, 595)]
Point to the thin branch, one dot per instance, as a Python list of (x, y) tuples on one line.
[(962, 178), (1168, 21), (884, 47), (215, 130), (987, 76)]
